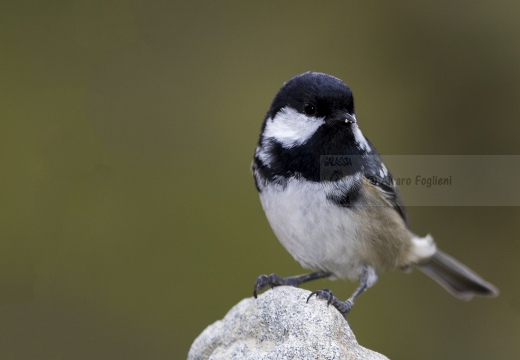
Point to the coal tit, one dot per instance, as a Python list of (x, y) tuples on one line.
[(348, 222)]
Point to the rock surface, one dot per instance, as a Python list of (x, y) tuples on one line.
[(280, 325)]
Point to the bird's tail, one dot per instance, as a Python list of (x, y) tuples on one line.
[(455, 277)]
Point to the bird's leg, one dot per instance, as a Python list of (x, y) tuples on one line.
[(367, 279), (274, 280)]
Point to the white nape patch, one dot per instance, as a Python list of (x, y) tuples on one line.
[(422, 248), (290, 128), (360, 138)]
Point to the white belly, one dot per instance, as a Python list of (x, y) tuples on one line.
[(317, 233)]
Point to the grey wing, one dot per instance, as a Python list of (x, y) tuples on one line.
[(385, 183)]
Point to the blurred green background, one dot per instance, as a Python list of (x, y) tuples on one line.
[(129, 219)]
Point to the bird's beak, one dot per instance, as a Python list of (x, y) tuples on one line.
[(350, 119)]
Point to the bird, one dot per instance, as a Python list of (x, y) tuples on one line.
[(331, 201)]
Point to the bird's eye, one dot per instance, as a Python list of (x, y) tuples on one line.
[(309, 109)]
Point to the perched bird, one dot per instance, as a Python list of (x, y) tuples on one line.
[(332, 202)]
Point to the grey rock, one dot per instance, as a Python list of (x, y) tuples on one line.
[(280, 325)]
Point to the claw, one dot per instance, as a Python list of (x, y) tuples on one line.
[(261, 282), (343, 307), (311, 295), (323, 294), (271, 280)]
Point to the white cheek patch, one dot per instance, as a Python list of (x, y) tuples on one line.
[(290, 128), (360, 138)]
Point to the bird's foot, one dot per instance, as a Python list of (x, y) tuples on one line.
[(272, 280), (343, 307)]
